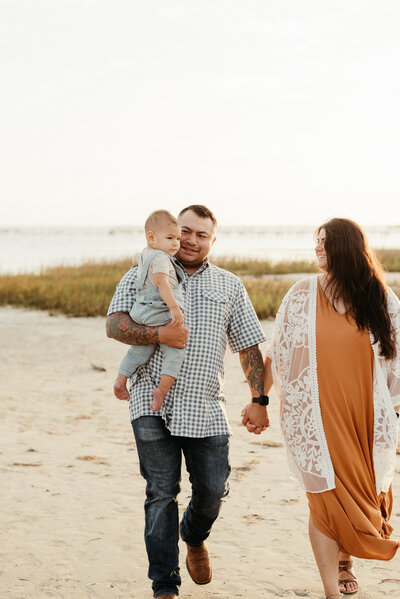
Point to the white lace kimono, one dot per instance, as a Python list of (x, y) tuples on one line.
[(294, 371)]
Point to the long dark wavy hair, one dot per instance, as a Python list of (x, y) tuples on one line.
[(356, 275)]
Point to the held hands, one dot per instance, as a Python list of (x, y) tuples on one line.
[(255, 418), (177, 316)]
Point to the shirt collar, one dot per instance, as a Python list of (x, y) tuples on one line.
[(201, 268)]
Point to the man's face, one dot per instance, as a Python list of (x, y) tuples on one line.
[(197, 238)]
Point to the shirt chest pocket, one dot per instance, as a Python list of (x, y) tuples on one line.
[(215, 295), (214, 306)]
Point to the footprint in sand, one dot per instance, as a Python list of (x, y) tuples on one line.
[(253, 518), (27, 464), (92, 458), (239, 471)]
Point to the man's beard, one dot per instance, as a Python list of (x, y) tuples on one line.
[(191, 264)]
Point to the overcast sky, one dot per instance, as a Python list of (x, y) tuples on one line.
[(269, 112)]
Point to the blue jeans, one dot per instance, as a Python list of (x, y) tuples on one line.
[(160, 456)]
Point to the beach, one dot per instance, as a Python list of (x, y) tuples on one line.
[(72, 495)]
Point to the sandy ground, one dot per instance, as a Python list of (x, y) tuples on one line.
[(72, 496)]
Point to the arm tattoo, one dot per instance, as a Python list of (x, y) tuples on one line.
[(121, 327), (253, 368)]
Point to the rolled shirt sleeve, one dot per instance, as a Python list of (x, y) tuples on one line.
[(244, 328), (125, 293)]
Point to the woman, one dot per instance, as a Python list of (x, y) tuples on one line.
[(335, 363)]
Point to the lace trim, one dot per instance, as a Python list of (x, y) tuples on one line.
[(312, 340)]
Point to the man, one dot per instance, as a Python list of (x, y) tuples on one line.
[(193, 418)]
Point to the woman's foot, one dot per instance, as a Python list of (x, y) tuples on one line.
[(348, 583)]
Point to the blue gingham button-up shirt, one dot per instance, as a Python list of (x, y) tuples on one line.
[(217, 311)]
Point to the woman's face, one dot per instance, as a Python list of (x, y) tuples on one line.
[(320, 250)]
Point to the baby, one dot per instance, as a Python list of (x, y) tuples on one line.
[(159, 299)]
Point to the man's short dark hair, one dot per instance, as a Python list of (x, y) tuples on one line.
[(201, 211)]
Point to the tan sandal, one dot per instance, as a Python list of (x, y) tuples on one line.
[(335, 595), (347, 566)]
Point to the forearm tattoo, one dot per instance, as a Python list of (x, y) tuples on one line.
[(121, 327), (253, 367)]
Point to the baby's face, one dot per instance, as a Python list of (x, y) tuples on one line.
[(167, 239)]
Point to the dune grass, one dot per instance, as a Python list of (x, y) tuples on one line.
[(390, 259), (83, 290), (253, 267), (266, 295), (86, 290), (256, 268)]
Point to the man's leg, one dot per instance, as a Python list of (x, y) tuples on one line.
[(207, 462), (160, 464)]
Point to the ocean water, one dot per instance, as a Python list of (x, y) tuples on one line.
[(24, 249)]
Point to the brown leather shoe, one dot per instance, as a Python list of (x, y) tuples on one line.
[(198, 564)]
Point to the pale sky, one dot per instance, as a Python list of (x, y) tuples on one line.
[(269, 112)]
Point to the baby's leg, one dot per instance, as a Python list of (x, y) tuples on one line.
[(173, 359), (136, 357), (161, 391)]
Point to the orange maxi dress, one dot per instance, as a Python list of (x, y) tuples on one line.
[(352, 513)]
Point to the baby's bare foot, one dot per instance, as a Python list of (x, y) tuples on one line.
[(120, 391), (157, 401)]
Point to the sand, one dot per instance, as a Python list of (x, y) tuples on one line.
[(72, 496)]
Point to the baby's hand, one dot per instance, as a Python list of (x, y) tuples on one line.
[(120, 390), (177, 316)]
